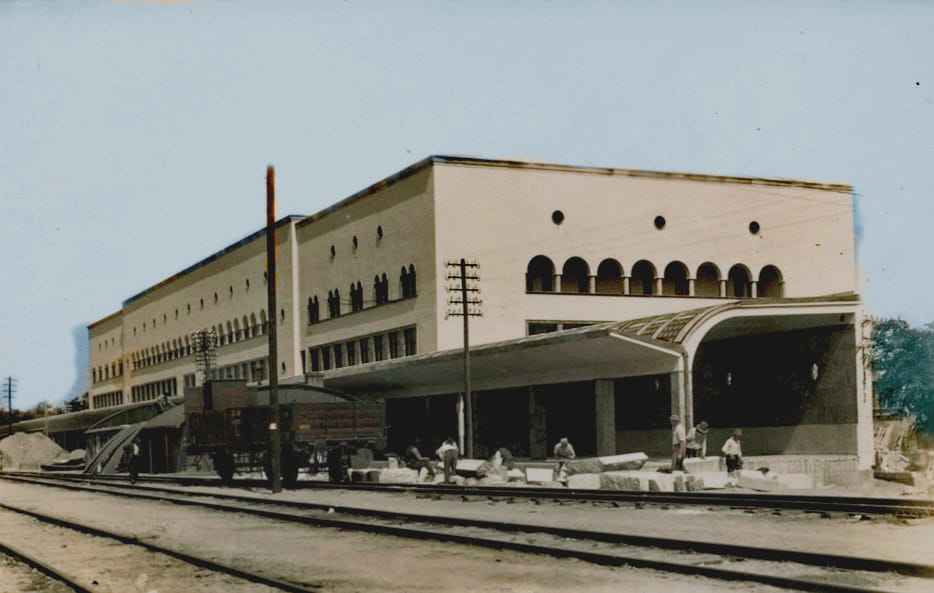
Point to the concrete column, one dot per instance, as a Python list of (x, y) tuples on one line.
[(659, 285), (677, 394), (691, 287), (592, 284), (605, 402), (722, 288), (538, 440), (625, 284), (753, 288), (557, 282)]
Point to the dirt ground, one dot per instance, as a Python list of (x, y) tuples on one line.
[(329, 559)]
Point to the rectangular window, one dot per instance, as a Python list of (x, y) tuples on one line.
[(315, 362), (394, 344), (541, 328), (338, 356), (378, 347), (326, 357), (364, 350), (409, 336), (351, 354), (303, 363)]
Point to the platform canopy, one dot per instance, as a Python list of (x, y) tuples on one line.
[(645, 346)]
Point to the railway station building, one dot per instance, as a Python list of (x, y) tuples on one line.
[(611, 298)]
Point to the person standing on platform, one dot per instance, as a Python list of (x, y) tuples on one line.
[(448, 453), (564, 452), (678, 444), (733, 452), (697, 441)]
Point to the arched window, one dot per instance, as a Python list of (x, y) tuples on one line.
[(254, 327), (93, 375), (770, 282), (540, 275), (407, 281), (404, 282), (334, 303), (413, 287), (246, 328), (707, 283), (675, 281), (187, 346), (236, 328), (575, 276), (738, 282), (610, 277), (384, 282), (230, 333), (263, 323), (643, 278), (314, 316)]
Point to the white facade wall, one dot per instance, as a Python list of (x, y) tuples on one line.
[(499, 214)]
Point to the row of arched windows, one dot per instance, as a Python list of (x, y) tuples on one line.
[(645, 279), (227, 333), (107, 372), (407, 290)]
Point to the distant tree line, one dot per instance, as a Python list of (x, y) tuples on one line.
[(903, 361)]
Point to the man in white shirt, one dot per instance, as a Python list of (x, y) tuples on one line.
[(733, 451), (678, 443)]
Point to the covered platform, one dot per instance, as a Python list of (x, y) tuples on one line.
[(788, 372)]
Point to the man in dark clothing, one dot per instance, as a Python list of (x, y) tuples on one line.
[(415, 460), (336, 463)]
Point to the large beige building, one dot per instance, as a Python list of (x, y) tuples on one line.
[(363, 299)]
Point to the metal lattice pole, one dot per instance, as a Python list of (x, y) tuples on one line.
[(466, 304)]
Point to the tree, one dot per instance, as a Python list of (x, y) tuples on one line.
[(903, 360), (76, 404)]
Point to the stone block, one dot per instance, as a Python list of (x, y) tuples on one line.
[(693, 483), (515, 475), (696, 465), (678, 482), (662, 482), (623, 481), (358, 475), (713, 480), (760, 483), (584, 481), (468, 467), (402, 475), (538, 475), (588, 465), (796, 481), (628, 461), (372, 475)]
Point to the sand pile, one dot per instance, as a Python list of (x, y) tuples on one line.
[(27, 451)]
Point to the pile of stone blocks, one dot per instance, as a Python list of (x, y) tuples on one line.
[(772, 482)]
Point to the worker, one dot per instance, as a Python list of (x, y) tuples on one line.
[(697, 441), (134, 461), (337, 466), (733, 452), (415, 460), (564, 451), (448, 453), (678, 443)]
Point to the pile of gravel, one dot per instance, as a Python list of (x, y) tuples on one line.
[(27, 451)]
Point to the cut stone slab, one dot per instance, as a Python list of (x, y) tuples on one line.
[(398, 476), (713, 480), (623, 481), (468, 467), (696, 465), (693, 483), (595, 465), (584, 481), (538, 475), (628, 461), (761, 483)]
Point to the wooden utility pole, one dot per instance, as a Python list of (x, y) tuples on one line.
[(275, 445)]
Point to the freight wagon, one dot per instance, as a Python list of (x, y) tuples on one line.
[(230, 422)]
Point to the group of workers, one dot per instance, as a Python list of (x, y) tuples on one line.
[(448, 453), (694, 444)]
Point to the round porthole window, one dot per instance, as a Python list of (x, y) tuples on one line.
[(659, 222), (557, 217), (754, 227)]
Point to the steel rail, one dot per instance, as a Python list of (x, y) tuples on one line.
[(50, 571), (728, 550), (799, 502), (188, 558)]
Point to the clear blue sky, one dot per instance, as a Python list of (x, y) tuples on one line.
[(134, 136)]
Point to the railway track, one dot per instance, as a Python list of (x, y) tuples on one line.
[(896, 507), (806, 571)]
